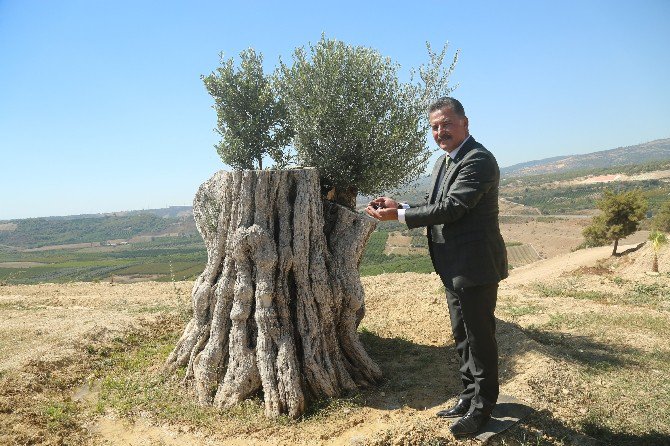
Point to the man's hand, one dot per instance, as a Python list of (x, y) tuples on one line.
[(383, 208), (384, 203)]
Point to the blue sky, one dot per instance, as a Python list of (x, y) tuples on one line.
[(102, 107)]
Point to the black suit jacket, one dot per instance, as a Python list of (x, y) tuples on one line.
[(463, 220)]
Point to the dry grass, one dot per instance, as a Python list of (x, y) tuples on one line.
[(582, 349)]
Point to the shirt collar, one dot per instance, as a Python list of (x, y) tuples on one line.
[(454, 152)]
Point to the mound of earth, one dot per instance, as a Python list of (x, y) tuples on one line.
[(639, 262)]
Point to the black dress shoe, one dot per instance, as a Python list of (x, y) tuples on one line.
[(470, 424), (460, 409)]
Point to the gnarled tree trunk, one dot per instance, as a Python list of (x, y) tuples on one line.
[(278, 304)]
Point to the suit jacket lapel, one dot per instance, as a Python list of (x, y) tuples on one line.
[(436, 170), (470, 143), (447, 173), (435, 176)]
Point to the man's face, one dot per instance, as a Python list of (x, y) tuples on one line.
[(449, 129)]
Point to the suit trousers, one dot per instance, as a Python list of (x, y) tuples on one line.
[(473, 326)]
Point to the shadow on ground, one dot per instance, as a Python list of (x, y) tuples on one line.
[(584, 350), (536, 428), (425, 377), (415, 375)]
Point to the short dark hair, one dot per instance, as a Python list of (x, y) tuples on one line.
[(446, 101)]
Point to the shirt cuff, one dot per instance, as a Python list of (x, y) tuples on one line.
[(401, 212)]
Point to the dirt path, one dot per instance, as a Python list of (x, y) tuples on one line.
[(555, 266)]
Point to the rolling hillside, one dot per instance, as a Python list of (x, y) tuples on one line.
[(657, 150)]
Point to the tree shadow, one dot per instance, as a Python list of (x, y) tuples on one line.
[(415, 375), (653, 437), (543, 422), (629, 250), (584, 350)]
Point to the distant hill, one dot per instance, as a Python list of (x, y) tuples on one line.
[(50, 231), (168, 212), (657, 150)]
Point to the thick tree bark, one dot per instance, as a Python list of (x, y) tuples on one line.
[(345, 197), (278, 304)]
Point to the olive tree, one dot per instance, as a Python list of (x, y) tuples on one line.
[(251, 119), (620, 216), (277, 307), (355, 120)]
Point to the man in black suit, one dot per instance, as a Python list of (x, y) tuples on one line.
[(467, 251)]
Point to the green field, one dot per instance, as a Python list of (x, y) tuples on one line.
[(375, 262), (164, 258)]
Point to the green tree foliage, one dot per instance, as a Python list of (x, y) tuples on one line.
[(355, 121), (662, 218), (657, 239), (620, 216), (252, 120)]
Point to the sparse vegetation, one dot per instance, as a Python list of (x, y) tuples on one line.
[(555, 199), (586, 369), (516, 311), (570, 290), (547, 178), (661, 220), (657, 239), (652, 295)]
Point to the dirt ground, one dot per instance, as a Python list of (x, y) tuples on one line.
[(49, 395), (555, 237), (548, 238)]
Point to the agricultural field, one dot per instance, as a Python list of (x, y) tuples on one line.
[(519, 255), (392, 248), (163, 259), (375, 260)]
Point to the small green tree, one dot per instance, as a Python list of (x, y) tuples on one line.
[(662, 218), (355, 121), (657, 239), (252, 120), (620, 216)]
